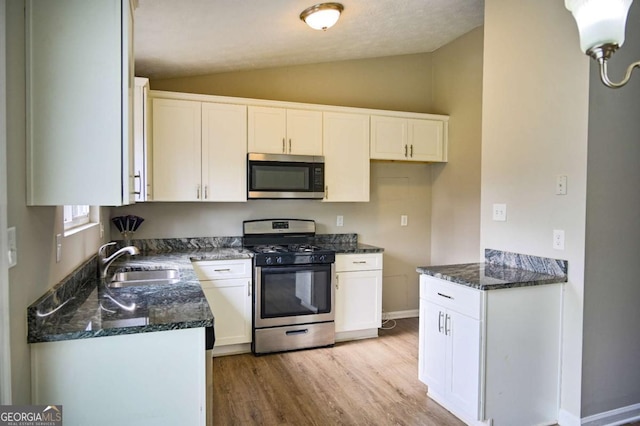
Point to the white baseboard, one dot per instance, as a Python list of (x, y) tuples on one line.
[(242, 348), (566, 418), (411, 313), (618, 416)]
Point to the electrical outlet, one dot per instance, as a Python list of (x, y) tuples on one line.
[(13, 246), (404, 219), (58, 248), (561, 185), (558, 239), (340, 220), (500, 212)]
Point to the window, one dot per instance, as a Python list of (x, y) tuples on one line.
[(78, 216)]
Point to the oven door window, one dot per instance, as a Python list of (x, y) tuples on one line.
[(295, 291), (273, 177)]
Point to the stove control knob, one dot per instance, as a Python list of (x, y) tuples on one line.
[(268, 261), (279, 259), (323, 258)]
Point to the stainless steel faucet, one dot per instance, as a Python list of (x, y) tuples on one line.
[(105, 262)]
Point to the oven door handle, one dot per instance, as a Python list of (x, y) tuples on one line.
[(296, 332)]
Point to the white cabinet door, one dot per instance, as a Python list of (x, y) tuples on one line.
[(346, 152), (388, 138), (284, 131), (176, 150), (463, 359), (230, 302), (426, 140), (79, 102), (304, 132), (267, 130), (432, 367), (358, 300), (224, 152), (140, 120)]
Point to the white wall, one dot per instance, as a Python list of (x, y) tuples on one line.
[(535, 112), (611, 348), (457, 92), (37, 269)]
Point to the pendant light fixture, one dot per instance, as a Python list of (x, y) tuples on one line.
[(601, 24), (322, 16)]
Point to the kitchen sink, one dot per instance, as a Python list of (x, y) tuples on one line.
[(142, 278)]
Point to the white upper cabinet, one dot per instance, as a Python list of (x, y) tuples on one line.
[(346, 152), (79, 102), (284, 131), (408, 139), (199, 151), (224, 152)]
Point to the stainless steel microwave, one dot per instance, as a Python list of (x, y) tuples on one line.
[(285, 176)]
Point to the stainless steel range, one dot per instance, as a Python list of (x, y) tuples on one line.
[(294, 304)]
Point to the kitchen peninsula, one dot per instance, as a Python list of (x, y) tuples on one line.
[(489, 346)]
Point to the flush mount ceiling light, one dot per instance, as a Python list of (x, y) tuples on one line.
[(601, 24), (322, 16)]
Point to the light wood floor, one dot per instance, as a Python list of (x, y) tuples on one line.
[(366, 382)]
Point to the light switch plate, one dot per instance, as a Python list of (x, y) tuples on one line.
[(13, 247), (404, 220), (58, 248), (340, 220)]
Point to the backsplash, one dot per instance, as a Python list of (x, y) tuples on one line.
[(527, 262)]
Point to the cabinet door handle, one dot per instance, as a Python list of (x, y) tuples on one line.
[(447, 325), (446, 296), (405, 151), (289, 145), (440, 315), (198, 192), (326, 192), (222, 270), (249, 288), (139, 177), (283, 146), (411, 152), (337, 282), (206, 192), (359, 261)]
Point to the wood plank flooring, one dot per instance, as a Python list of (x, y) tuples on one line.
[(366, 382)]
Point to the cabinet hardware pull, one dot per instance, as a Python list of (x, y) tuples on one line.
[(440, 315), (198, 192), (206, 192), (283, 146), (326, 192), (289, 145), (249, 288), (411, 151), (138, 176), (359, 261), (444, 295), (222, 270), (447, 325), (405, 151), (337, 282)]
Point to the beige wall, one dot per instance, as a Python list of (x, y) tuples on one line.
[(610, 363), (534, 127), (457, 92), (402, 83), (37, 269)]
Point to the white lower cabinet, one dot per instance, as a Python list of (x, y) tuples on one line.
[(227, 285), (491, 357), (358, 295)]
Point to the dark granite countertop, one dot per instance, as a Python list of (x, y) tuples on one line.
[(82, 307)]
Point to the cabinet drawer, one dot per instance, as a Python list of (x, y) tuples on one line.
[(358, 262), (222, 269), (465, 300)]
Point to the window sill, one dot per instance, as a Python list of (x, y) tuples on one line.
[(77, 229)]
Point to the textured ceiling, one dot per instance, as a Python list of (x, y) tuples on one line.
[(196, 37)]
